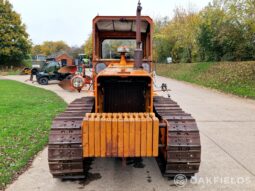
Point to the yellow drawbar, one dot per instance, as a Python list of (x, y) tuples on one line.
[(120, 135)]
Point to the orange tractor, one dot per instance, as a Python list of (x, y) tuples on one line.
[(124, 116)]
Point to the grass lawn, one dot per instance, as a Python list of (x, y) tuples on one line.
[(26, 114), (231, 77)]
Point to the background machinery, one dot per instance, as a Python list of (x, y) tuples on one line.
[(50, 71), (77, 78), (124, 117), (83, 59)]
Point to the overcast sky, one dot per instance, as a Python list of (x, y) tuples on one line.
[(71, 20)]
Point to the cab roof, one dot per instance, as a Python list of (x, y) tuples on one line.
[(121, 23)]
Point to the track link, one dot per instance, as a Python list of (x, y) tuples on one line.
[(181, 150), (65, 142)]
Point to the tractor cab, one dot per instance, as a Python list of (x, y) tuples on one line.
[(111, 33), (122, 62)]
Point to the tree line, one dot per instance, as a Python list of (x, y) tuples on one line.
[(223, 31), (49, 47)]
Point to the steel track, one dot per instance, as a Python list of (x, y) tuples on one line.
[(181, 150), (180, 154), (65, 143)]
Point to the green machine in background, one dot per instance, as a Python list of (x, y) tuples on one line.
[(84, 59)]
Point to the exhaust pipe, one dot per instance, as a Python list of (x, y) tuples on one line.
[(138, 51)]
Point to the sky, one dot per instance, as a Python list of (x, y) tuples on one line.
[(71, 20)]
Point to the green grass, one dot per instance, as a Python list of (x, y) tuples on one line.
[(15, 71), (26, 114), (231, 77)]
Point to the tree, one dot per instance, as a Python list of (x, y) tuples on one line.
[(242, 16), (177, 37), (49, 47), (222, 31), (184, 31), (161, 47), (37, 49), (88, 47), (224, 34), (14, 40), (76, 50), (212, 20)]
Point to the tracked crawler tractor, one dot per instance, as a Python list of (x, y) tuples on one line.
[(124, 117)]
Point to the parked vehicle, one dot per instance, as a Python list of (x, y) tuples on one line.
[(49, 71)]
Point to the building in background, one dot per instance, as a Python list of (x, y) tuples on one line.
[(61, 57)]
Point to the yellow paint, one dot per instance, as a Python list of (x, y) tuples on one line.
[(97, 135), (155, 141), (149, 137), (122, 70), (108, 135), (114, 136), (137, 136), (126, 135), (143, 135), (132, 135), (92, 135), (85, 134), (103, 135), (123, 61), (120, 135)]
